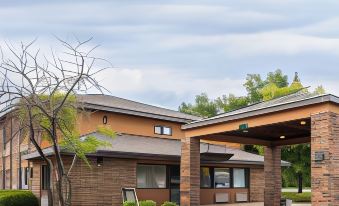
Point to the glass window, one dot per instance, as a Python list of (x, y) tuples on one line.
[(167, 131), (157, 129), (163, 130), (151, 176), (205, 177), (239, 177), (221, 177), (45, 177)]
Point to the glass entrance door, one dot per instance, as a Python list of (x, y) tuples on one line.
[(175, 184)]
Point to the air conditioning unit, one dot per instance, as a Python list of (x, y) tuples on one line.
[(221, 197)]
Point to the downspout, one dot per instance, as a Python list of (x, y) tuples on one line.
[(11, 158), (20, 169), (3, 157)]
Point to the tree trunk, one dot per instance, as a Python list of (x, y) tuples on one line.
[(300, 183)]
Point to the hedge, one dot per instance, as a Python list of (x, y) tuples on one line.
[(129, 203), (169, 204), (147, 203), (297, 197), (17, 198)]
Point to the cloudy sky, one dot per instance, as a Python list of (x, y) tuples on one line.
[(166, 52)]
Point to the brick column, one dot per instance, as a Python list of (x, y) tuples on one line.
[(272, 170), (325, 168), (190, 172)]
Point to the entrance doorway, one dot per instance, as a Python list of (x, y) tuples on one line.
[(174, 183)]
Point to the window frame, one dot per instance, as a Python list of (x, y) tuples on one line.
[(166, 176), (162, 130), (230, 177), (211, 171), (45, 183), (246, 173)]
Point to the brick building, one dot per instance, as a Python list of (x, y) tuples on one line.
[(164, 154)]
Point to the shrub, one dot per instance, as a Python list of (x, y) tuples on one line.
[(147, 203), (129, 203), (169, 204), (17, 198), (297, 197)]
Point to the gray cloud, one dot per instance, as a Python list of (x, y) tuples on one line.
[(168, 51)]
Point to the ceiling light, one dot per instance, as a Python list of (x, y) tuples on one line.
[(303, 122), (282, 137)]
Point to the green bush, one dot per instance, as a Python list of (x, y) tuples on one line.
[(147, 203), (169, 204), (129, 203), (297, 197), (17, 198)]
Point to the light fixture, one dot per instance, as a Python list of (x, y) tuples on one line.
[(100, 161), (282, 137), (303, 122)]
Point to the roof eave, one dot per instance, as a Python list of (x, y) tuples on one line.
[(275, 108), (136, 113)]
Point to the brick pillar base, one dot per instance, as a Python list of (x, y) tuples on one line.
[(272, 167), (190, 172), (325, 168)]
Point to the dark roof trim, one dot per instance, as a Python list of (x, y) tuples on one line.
[(136, 113), (270, 109), (145, 156)]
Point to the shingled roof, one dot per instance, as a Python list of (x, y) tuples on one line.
[(120, 105), (294, 100), (140, 147)]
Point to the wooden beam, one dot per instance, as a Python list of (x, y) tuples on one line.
[(299, 140), (256, 141), (236, 139)]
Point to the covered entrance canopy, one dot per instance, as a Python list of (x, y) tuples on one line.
[(297, 118)]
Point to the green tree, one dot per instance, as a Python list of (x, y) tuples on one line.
[(231, 102), (253, 85), (202, 106)]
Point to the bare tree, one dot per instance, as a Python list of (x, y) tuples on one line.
[(42, 90)]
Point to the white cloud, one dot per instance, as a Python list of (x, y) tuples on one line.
[(167, 80)]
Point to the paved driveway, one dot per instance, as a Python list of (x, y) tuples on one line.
[(256, 204)]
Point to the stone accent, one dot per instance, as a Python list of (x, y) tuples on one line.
[(272, 170), (257, 184), (190, 172), (325, 173)]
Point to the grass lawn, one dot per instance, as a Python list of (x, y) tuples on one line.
[(297, 197)]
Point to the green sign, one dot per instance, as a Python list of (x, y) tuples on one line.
[(243, 126)]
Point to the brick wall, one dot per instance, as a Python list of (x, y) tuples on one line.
[(272, 171), (190, 172), (257, 184), (95, 186), (325, 174)]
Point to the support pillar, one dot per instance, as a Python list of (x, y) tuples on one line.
[(272, 169), (325, 159), (190, 172)]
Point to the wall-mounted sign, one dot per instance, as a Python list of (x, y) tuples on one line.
[(243, 126), (319, 156)]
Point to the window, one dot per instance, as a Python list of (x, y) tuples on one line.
[(31, 172), (45, 180), (151, 176), (163, 130), (205, 177), (222, 178), (239, 177)]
